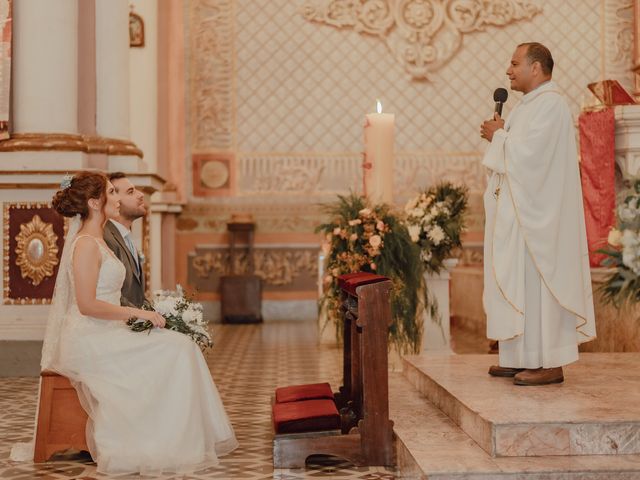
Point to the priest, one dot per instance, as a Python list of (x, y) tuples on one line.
[(537, 283)]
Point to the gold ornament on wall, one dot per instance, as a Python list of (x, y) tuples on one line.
[(136, 29), (36, 251), (423, 35)]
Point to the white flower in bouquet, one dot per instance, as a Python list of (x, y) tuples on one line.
[(193, 315), (631, 250), (615, 237), (426, 221), (354, 222), (436, 234), (411, 204), (417, 212), (365, 212), (629, 210), (380, 225), (414, 232), (375, 241), (166, 306)]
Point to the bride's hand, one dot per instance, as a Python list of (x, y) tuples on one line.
[(154, 317)]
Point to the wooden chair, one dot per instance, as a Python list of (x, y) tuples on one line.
[(61, 419), (364, 397)]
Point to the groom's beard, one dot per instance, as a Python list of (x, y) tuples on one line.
[(131, 214)]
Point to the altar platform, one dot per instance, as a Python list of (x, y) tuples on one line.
[(454, 421)]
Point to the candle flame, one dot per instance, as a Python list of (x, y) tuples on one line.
[(378, 106)]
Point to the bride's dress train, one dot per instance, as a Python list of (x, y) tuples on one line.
[(151, 402)]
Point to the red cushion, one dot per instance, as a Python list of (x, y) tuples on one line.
[(305, 416), (350, 281), (312, 391)]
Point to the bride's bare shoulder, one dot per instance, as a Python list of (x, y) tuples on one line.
[(85, 245)]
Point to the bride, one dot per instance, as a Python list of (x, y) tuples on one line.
[(151, 402)]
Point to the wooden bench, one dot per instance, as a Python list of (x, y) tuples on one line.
[(365, 436), (61, 419)]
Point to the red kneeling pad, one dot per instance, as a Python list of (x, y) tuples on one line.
[(296, 393), (305, 416)]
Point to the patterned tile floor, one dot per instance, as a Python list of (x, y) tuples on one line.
[(247, 363)]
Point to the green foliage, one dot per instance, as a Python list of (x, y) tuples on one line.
[(361, 237)]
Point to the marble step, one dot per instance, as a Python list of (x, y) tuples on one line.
[(596, 411), (430, 446)]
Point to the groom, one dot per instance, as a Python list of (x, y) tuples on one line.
[(117, 235)]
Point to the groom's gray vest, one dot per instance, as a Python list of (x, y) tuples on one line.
[(133, 286)]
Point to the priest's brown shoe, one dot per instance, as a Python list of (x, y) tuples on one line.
[(539, 376), (496, 371)]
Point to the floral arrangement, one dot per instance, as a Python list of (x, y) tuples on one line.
[(362, 237), (181, 313), (624, 284), (435, 221)]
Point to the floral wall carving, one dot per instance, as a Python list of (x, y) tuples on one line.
[(280, 268), (422, 35)]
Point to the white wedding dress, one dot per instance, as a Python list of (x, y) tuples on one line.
[(153, 407)]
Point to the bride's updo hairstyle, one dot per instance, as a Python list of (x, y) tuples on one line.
[(74, 196)]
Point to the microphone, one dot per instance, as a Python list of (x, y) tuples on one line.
[(500, 96)]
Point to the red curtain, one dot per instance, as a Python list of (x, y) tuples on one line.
[(597, 167)]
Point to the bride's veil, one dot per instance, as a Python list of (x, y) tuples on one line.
[(23, 451), (60, 300)]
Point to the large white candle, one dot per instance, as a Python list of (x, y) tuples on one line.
[(379, 156)]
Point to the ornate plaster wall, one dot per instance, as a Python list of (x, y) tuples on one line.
[(276, 104)]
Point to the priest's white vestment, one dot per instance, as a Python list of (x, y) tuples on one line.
[(537, 282)]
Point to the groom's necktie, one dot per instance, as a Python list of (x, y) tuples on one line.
[(132, 249)]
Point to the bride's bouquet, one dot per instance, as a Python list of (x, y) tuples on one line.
[(181, 313)]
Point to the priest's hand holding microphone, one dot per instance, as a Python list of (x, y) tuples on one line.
[(488, 127)]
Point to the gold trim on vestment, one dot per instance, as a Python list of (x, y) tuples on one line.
[(533, 259), (493, 256)]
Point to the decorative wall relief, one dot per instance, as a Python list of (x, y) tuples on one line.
[(422, 35), (36, 250), (211, 74), (281, 268), (212, 174), (619, 38), (33, 240)]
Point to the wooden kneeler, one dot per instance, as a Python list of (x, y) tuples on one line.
[(61, 419), (365, 393)]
